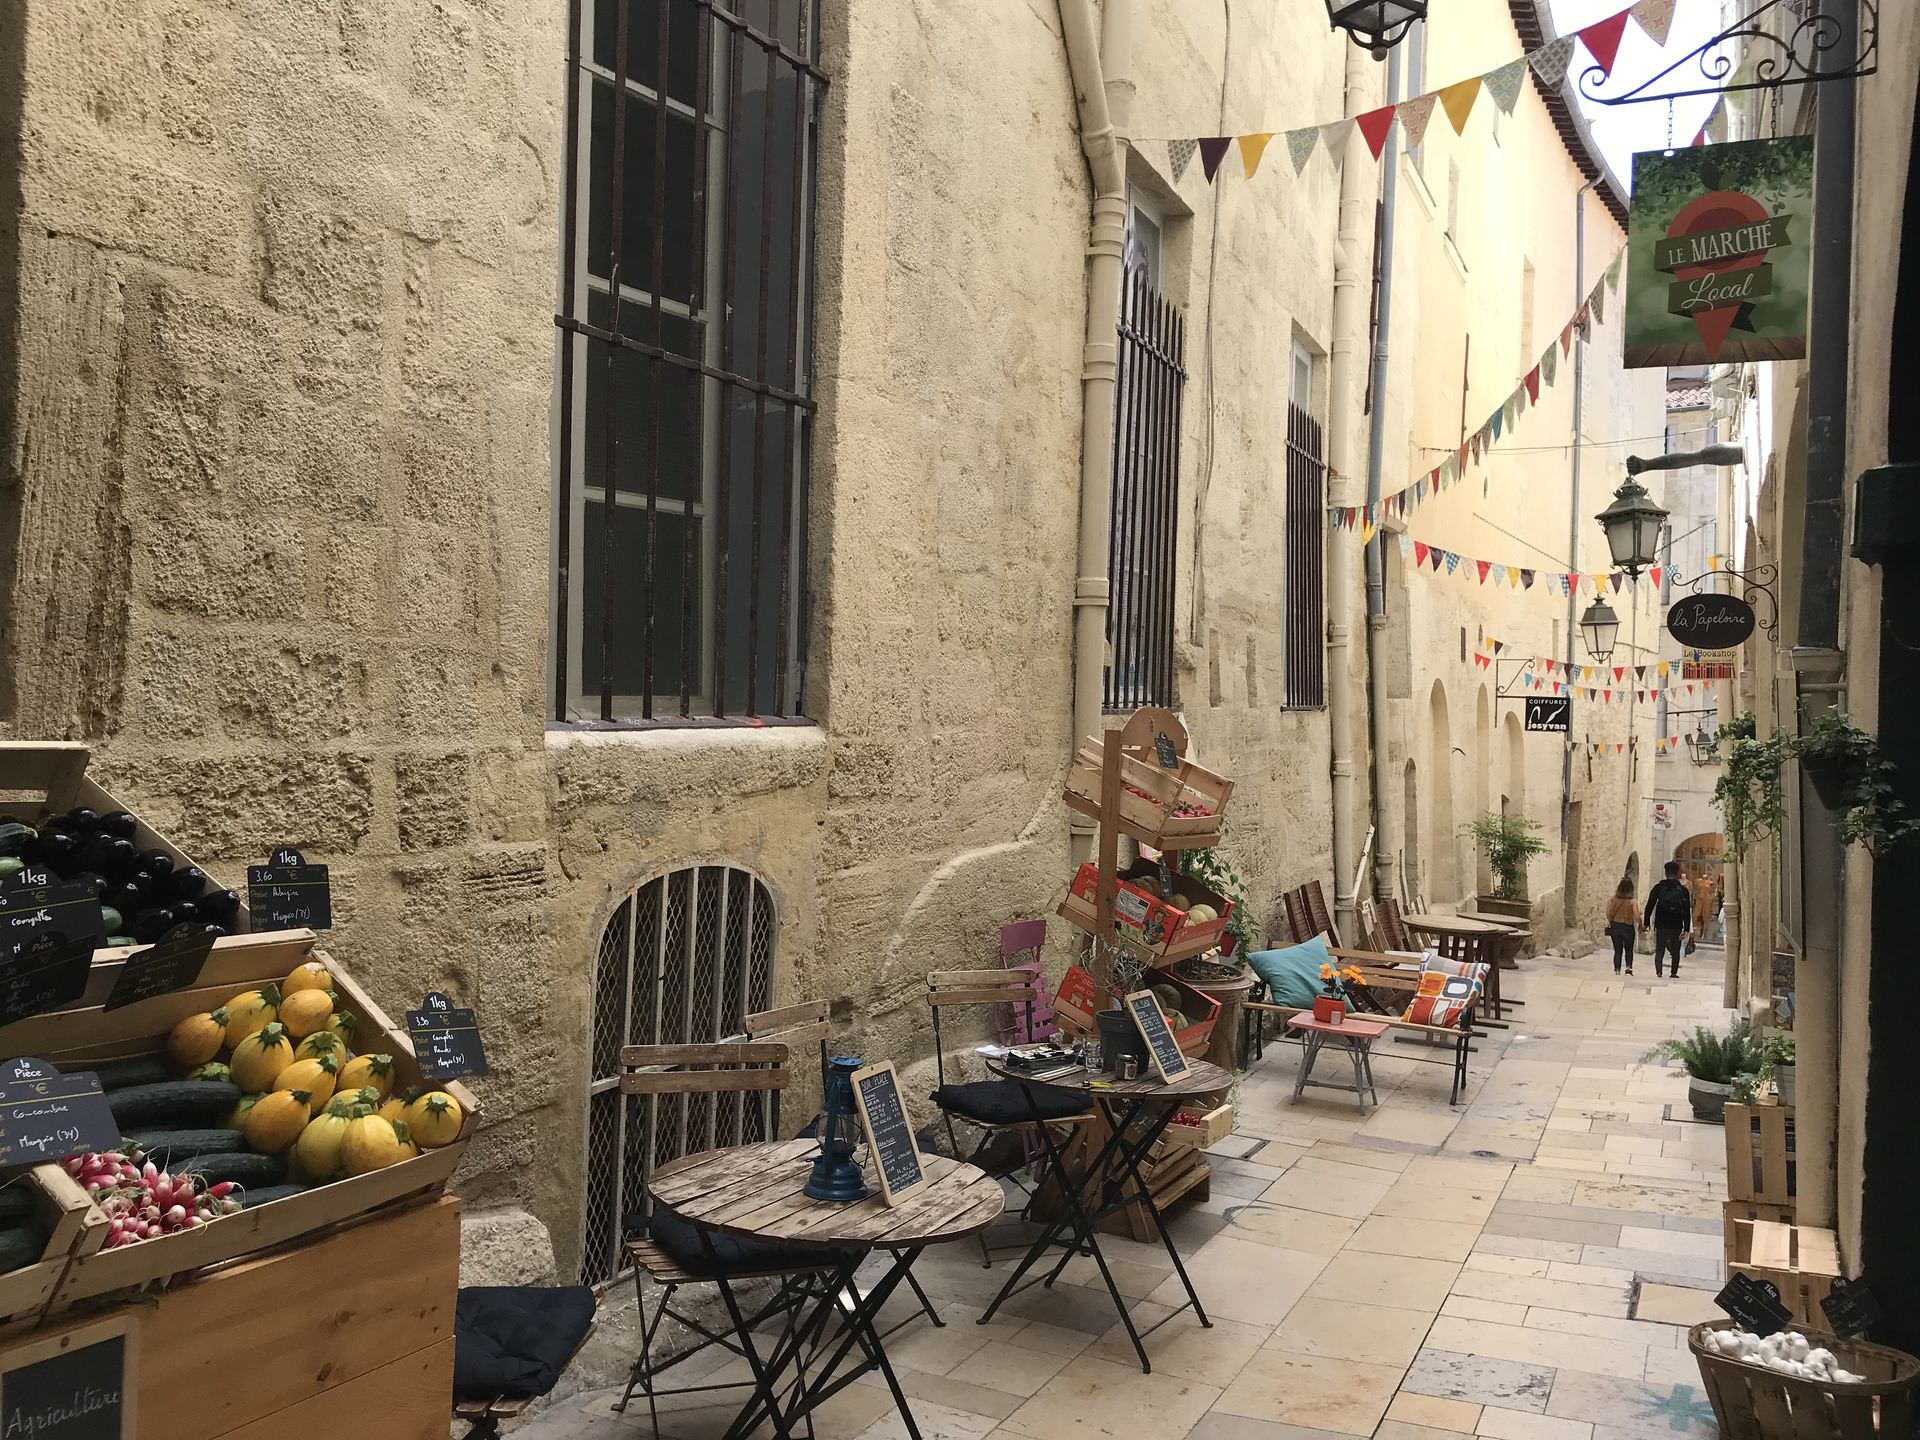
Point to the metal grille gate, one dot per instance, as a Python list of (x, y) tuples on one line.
[(1305, 578), (1144, 520), (681, 961)]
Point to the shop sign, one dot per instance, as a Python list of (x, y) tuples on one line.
[(1710, 622), (1708, 664), (1660, 814), (1717, 259), (71, 1384), (1549, 714)]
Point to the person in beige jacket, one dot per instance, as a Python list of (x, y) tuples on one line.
[(1621, 917)]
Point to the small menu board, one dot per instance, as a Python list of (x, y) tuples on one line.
[(71, 1385), (173, 964), (446, 1041), (286, 893), (46, 1115), (1164, 752), (1754, 1303), (29, 911), (896, 1158), (49, 971), (1851, 1307), (1162, 1049)]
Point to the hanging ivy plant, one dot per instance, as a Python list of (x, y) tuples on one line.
[(1841, 761), (1216, 872)]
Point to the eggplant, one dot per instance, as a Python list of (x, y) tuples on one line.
[(96, 884), (149, 925), (132, 895), (15, 837), (54, 850), (218, 906), (81, 820), (108, 855), (156, 863), (186, 883), (119, 822)]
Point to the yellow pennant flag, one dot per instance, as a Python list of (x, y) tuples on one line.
[(1513, 576), (1252, 147), (1665, 670), (1458, 100)]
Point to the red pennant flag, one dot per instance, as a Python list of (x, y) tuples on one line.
[(1654, 575), (1482, 566), (1419, 553), (1699, 139), (1618, 747), (1602, 39), (1374, 125), (1607, 695), (1619, 672), (1573, 579), (1533, 385), (1566, 339)]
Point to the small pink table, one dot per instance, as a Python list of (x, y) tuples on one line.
[(1355, 1035)]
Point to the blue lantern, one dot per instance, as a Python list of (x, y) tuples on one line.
[(835, 1175)]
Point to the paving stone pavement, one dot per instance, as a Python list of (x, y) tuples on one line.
[(1519, 1267)]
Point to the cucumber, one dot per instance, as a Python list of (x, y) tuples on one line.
[(265, 1193), (166, 1146), (17, 1200), (141, 1070), (244, 1168), (22, 1244), (179, 1103)]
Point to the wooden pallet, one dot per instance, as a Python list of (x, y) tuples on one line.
[(1802, 1261), (1749, 1210), (1760, 1154)]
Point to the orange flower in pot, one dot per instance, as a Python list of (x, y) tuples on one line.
[(1330, 1006)]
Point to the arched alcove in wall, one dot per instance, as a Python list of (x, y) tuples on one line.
[(1443, 878)]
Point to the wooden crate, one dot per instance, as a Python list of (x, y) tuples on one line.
[(1140, 915), (1736, 1210), (1208, 1128), (1073, 1007), (1149, 796), (1801, 1260), (75, 1226), (85, 1034), (1761, 1163), (1751, 1402)]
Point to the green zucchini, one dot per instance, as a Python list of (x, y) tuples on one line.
[(141, 1070), (181, 1104), (265, 1193), (17, 1200), (165, 1146), (244, 1168), (22, 1244)]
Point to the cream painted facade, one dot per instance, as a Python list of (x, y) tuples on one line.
[(277, 358)]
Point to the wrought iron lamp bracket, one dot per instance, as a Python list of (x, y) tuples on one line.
[(1755, 585), (1804, 55)]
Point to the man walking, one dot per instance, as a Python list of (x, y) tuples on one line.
[(1670, 912)]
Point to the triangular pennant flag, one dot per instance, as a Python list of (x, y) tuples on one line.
[(1607, 696), (1640, 672), (1599, 303), (1526, 579), (1654, 17), (1406, 545), (1566, 338), (1414, 115), (1513, 576), (1613, 270), (1504, 84), (1499, 421), (1619, 672), (1586, 672), (1419, 553), (1602, 39), (1457, 100), (1549, 364), (1654, 575), (1374, 126), (1550, 61), (1483, 566), (1665, 669), (1252, 147), (1179, 156), (1618, 747), (1499, 646), (1366, 531), (1334, 136), (1533, 383), (1616, 582), (1436, 556), (1453, 561), (1300, 145), (1212, 152)]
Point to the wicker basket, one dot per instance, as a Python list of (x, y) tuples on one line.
[(1752, 1402)]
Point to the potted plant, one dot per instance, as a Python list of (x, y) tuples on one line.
[(1508, 842), (1842, 763), (1216, 872), (1330, 1005), (1779, 1058), (1714, 1063)]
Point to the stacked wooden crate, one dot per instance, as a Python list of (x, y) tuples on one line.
[(1762, 1169)]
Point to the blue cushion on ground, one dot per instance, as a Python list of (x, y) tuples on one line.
[(514, 1340), (1292, 975), (1008, 1102), (734, 1254)]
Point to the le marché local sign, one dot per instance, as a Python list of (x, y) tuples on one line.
[(1717, 253), (1710, 622)]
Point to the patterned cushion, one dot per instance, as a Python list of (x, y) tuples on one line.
[(1443, 999), (1473, 970)]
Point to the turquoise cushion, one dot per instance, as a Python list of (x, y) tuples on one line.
[(1292, 974)]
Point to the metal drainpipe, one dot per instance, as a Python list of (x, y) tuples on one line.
[(1106, 241), (1349, 331), (1573, 531), (1818, 661), (1385, 846)]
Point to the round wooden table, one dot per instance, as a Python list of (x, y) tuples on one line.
[(1112, 1180), (1474, 941), (758, 1191)]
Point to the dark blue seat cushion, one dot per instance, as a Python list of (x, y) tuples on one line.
[(735, 1254), (1008, 1102), (514, 1340)]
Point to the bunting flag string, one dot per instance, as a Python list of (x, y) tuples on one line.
[(1600, 684), (1499, 423), (1423, 555), (1549, 64)]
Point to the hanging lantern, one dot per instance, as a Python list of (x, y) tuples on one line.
[(1633, 523), (1376, 25), (1598, 627), (836, 1177)]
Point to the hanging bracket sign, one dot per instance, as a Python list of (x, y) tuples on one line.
[(286, 893), (1549, 714), (446, 1041), (1710, 622)]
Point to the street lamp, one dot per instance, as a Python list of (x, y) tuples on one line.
[(1376, 25), (1632, 523), (1598, 627)]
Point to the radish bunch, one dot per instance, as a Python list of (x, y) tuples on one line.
[(142, 1201)]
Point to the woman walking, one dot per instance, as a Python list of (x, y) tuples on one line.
[(1621, 918)]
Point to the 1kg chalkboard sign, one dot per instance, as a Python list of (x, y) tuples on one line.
[(29, 876), (1851, 1307), (29, 911), (896, 1158), (173, 964), (50, 971), (286, 893), (446, 1041), (45, 1115), (1162, 1049), (73, 1385), (1754, 1303)]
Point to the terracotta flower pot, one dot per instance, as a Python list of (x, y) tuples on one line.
[(1328, 1010)]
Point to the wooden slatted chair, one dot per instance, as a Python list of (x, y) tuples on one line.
[(674, 1254), (994, 1107), (1393, 930)]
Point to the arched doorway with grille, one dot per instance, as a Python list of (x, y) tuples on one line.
[(682, 958)]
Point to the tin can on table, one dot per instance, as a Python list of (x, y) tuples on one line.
[(1127, 1067)]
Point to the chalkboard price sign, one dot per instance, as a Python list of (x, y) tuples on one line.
[(45, 1115), (1754, 1303), (173, 964), (29, 911), (1164, 752), (288, 894), (446, 1041), (29, 877), (1162, 1049), (47, 972), (70, 1386), (1851, 1307), (896, 1158)]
